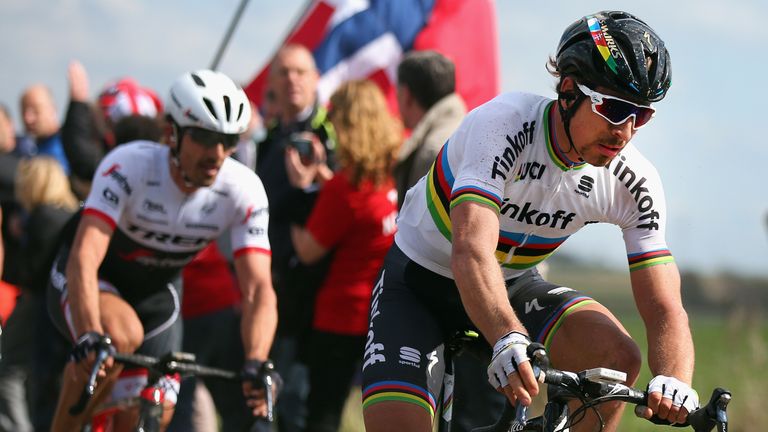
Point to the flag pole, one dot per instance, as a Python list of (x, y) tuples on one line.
[(228, 35)]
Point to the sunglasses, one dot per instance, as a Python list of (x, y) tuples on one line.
[(209, 139), (617, 110)]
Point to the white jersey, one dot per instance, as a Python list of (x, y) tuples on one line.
[(503, 155), (159, 228)]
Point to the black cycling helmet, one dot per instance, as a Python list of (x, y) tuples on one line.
[(618, 51)]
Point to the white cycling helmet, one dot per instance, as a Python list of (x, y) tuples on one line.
[(209, 100)]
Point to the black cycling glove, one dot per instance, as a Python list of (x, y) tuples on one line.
[(257, 372), (89, 342)]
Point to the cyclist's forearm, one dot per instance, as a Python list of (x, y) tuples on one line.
[(670, 346), (83, 295), (477, 272), (259, 322)]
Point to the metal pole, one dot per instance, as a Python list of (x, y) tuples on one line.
[(228, 35)]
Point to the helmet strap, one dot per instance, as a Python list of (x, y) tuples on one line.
[(567, 114), (175, 151)]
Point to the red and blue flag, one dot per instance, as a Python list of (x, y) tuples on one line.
[(355, 39)]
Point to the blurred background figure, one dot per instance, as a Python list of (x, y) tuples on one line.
[(430, 107), (353, 220), (293, 78), (41, 126), (10, 234), (124, 111), (32, 349)]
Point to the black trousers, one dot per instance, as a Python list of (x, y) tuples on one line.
[(334, 361)]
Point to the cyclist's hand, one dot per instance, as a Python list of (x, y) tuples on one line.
[(84, 355), (670, 399), (255, 376), (510, 370)]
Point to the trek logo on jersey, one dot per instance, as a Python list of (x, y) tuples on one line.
[(530, 170), (585, 186), (503, 164), (639, 193), (120, 179), (531, 216), (167, 238)]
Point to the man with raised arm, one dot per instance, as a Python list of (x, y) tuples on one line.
[(151, 208), (519, 176)]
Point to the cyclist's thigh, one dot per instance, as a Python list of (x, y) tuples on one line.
[(543, 306), (566, 321), (159, 313), (117, 316), (403, 363)]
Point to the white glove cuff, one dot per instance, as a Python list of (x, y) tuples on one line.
[(508, 352)]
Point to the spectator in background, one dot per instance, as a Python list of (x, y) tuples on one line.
[(355, 218), (41, 125), (293, 77), (30, 342), (431, 108), (90, 132), (11, 223)]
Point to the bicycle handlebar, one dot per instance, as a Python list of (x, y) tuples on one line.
[(175, 362), (703, 419)]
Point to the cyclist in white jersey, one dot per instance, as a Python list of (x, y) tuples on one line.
[(151, 208), (519, 176)]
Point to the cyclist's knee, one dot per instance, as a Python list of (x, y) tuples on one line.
[(121, 323), (627, 358), (394, 416)]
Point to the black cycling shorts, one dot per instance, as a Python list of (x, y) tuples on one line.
[(158, 310), (415, 312)]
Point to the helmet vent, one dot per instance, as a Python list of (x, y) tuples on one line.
[(199, 81), (240, 111), (227, 108), (209, 105)]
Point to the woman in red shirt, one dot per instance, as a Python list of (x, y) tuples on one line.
[(354, 218)]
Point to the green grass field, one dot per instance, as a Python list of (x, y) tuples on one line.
[(731, 352)]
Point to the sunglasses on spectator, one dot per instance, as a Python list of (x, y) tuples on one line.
[(210, 139), (617, 110)]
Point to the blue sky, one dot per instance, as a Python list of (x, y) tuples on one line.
[(705, 140)]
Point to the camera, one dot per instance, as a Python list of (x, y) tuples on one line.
[(302, 144)]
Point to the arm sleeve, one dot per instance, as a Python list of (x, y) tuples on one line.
[(249, 229), (113, 183), (486, 160), (644, 227)]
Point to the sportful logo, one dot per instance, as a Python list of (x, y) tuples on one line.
[(585, 186), (536, 217), (410, 356), (639, 193), (503, 164)]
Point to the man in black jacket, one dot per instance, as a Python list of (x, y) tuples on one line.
[(293, 78)]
